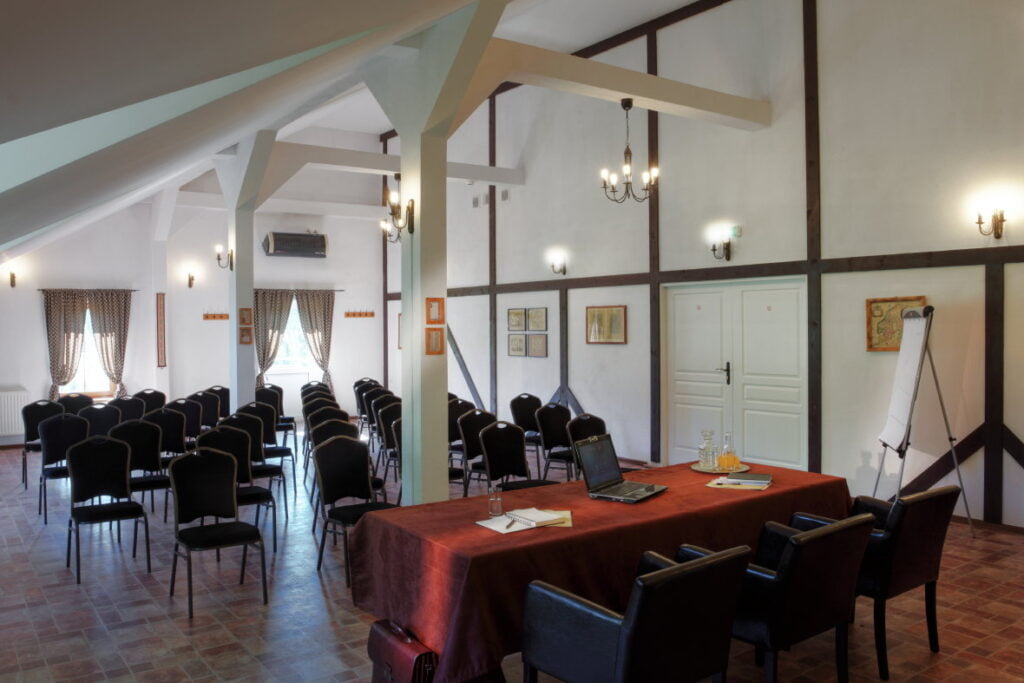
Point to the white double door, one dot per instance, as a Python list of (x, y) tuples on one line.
[(737, 362)]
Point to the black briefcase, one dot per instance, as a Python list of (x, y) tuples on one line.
[(398, 657)]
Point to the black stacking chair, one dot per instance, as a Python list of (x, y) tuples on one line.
[(193, 412), (343, 471), (904, 551), (332, 428), (800, 584), (552, 420), (57, 433), (504, 448), (131, 408), (315, 385), (101, 417), (456, 409), (271, 451), (258, 465), (312, 421), (455, 474), (236, 442), (376, 406), (74, 402), (153, 399), (31, 416), (470, 425), (371, 418), (584, 426), (210, 408), (359, 391), (285, 423), (386, 417), (675, 626), (98, 466), (204, 486), (523, 408), (224, 397), (172, 433), (144, 438)]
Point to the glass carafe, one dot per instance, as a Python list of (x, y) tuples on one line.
[(706, 452), (728, 460)]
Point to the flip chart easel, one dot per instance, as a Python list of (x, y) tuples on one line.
[(917, 325)]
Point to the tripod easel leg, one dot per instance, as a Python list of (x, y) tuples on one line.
[(952, 439), (881, 466)]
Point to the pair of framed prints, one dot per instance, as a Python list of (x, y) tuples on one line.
[(521, 321)]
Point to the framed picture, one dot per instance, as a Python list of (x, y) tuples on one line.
[(516, 319), (435, 311), (606, 325), (537, 319), (537, 345), (161, 330), (517, 344), (245, 316), (245, 335), (433, 341), (885, 321)]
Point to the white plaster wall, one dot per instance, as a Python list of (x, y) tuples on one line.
[(857, 384), (613, 381), (520, 374), (467, 317), (920, 106), (712, 174), (1013, 388), (394, 353)]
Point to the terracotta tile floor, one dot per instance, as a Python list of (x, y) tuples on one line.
[(120, 623)]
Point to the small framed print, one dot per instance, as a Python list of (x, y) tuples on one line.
[(885, 321), (433, 342), (245, 316), (435, 311), (606, 324), (245, 335), (537, 345), (516, 319), (517, 344), (537, 319), (161, 330)]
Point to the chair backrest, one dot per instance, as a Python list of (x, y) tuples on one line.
[(224, 395), (204, 486), (131, 408), (321, 415), (98, 466), (59, 432), (524, 407), (369, 397), (193, 412), (152, 398), (470, 425), (253, 427), (342, 470), (552, 419), (279, 406), (696, 601), (34, 413), (818, 577), (144, 438), (380, 403), (396, 434), (310, 407), (101, 417), (917, 528), (315, 385), (266, 394), (361, 391), (457, 407), (386, 416), (210, 404), (332, 428), (172, 429), (266, 415), (504, 449), (584, 426), (74, 402), (231, 440)]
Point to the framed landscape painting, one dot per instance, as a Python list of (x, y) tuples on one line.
[(516, 319), (885, 321), (606, 325), (537, 319), (517, 344)]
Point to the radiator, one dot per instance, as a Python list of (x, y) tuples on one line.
[(12, 398)]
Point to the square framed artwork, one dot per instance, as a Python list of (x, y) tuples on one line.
[(161, 330), (537, 345), (435, 311), (245, 336), (537, 319), (245, 316), (516, 319), (433, 341), (517, 344), (885, 320), (606, 325)]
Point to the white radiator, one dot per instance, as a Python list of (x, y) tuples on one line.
[(12, 398)]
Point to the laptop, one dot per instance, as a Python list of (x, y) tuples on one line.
[(601, 472)]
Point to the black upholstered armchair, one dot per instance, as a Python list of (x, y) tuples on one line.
[(800, 584), (903, 553), (675, 628)]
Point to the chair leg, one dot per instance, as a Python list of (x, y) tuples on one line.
[(771, 666), (348, 566), (929, 610), (323, 542), (842, 649), (257, 521), (188, 572), (881, 652), (536, 452), (174, 568), (78, 555), (547, 466), (24, 468), (263, 571), (167, 494), (241, 576), (284, 495), (135, 536), (67, 562), (43, 503), (273, 521), (529, 674), (314, 518), (145, 529)]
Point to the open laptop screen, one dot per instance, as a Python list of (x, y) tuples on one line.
[(599, 462)]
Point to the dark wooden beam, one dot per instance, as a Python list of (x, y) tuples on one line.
[(387, 135), (994, 373), (385, 371), (492, 250), (927, 259), (654, 261), (463, 368), (812, 151), (1013, 445), (563, 338), (968, 446)]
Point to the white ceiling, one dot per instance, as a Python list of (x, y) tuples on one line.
[(357, 111)]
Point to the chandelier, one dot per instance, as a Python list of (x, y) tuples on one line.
[(610, 181)]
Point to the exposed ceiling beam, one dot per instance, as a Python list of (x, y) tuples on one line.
[(214, 201)]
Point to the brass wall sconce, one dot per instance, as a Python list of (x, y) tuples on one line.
[(395, 223), (721, 241), (995, 225), (191, 280), (558, 261), (222, 262), (722, 251), (14, 279)]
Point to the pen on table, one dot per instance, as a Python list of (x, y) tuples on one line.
[(510, 523)]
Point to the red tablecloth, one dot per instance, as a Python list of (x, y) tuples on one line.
[(459, 587)]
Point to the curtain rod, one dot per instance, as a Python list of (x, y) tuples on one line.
[(80, 289)]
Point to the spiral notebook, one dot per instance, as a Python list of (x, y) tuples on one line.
[(521, 520)]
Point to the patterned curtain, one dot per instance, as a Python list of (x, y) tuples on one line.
[(316, 313), (65, 332), (110, 309), (270, 316)]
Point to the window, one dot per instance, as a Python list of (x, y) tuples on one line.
[(293, 353), (91, 378)]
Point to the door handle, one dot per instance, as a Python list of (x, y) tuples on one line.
[(728, 372)]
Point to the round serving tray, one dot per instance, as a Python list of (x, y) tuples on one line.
[(697, 467)]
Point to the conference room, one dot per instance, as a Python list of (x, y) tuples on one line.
[(497, 339)]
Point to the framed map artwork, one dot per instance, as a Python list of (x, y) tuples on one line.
[(885, 321)]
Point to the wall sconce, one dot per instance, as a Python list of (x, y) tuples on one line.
[(191, 280), (395, 223), (995, 225), (721, 241), (558, 260), (13, 279), (222, 262)]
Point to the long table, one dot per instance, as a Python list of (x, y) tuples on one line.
[(459, 587)]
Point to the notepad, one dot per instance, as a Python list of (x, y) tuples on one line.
[(521, 520), (748, 479), (723, 483)]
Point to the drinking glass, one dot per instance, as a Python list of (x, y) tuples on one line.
[(494, 508)]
